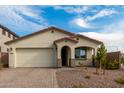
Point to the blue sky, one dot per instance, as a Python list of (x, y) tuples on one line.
[(105, 23)]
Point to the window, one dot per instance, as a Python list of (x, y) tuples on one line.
[(52, 31), (9, 35), (4, 32), (13, 37), (77, 38), (10, 49), (80, 53), (7, 49)]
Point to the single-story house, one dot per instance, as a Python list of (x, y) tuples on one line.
[(51, 47)]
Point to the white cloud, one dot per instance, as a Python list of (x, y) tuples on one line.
[(102, 13), (85, 23), (82, 9), (27, 11), (72, 9), (80, 22), (9, 16), (112, 36)]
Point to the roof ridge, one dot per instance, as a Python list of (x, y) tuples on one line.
[(55, 28)]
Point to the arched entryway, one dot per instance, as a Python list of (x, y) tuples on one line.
[(65, 56)]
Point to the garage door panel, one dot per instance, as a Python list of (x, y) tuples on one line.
[(35, 58)]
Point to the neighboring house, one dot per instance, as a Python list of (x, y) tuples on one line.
[(5, 35), (51, 47), (114, 56), (122, 59), (122, 55)]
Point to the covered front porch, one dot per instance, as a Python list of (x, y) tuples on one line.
[(68, 54)]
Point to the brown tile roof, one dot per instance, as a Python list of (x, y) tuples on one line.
[(52, 28), (66, 38), (3, 27)]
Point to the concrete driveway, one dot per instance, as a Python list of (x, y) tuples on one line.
[(28, 77)]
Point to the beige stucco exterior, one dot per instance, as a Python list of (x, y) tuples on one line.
[(44, 41)]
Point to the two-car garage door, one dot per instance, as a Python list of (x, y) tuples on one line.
[(35, 58)]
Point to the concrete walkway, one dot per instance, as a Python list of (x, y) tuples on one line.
[(28, 77)]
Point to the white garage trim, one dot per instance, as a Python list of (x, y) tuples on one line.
[(35, 57)]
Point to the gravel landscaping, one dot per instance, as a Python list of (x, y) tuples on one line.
[(86, 78)]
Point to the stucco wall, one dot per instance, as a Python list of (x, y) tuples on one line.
[(44, 39)]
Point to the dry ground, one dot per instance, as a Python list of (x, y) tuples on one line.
[(61, 77), (85, 78)]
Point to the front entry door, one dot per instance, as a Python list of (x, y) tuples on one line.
[(65, 55)]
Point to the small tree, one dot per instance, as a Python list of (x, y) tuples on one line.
[(101, 58), (97, 60)]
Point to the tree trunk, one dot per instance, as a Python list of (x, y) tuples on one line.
[(104, 69), (97, 68), (100, 67)]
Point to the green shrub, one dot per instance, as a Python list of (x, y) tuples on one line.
[(87, 77), (120, 80), (112, 65)]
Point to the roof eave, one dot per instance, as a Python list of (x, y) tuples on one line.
[(97, 41), (3, 27), (54, 28)]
